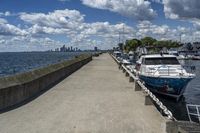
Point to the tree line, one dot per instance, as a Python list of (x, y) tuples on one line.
[(148, 42)]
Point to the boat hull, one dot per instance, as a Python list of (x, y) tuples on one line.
[(172, 87)]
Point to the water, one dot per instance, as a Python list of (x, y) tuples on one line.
[(19, 62), (191, 95)]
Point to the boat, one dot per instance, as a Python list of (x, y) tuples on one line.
[(196, 57), (131, 55), (173, 52), (163, 74), (117, 54)]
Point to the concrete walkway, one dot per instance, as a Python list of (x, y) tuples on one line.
[(96, 99)]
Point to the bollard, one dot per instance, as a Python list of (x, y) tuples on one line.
[(127, 74), (148, 100), (120, 66), (123, 70), (137, 87), (131, 79)]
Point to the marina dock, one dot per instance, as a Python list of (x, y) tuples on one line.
[(96, 98)]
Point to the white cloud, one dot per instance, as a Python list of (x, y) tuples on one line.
[(7, 14), (163, 32), (3, 21), (8, 29), (36, 29), (102, 33), (187, 10), (71, 23), (27, 43), (182, 9), (138, 9), (57, 19)]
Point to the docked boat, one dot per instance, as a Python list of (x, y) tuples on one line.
[(163, 74), (125, 59), (196, 57)]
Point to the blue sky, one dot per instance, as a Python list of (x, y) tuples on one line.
[(38, 25)]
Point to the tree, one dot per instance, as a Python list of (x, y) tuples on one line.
[(148, 41), (131, 45), (167, 44)]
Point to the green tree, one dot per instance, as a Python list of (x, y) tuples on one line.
[(131, 45), (148, 41), (167, 44)]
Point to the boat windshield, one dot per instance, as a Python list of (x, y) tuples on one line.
[(161, 61)]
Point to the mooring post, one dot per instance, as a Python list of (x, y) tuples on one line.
[(123, 70), (131, 79), (127, 74), (137, 86), (148, 100), (120, 66)]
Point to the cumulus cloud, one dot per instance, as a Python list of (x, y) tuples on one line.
[(79, 33), (57, 19), (104, 31), (163, 32), (27, 43), (8, 29), (182, 9), (7, 14), (146, 27), (71, 23), (138, 9)]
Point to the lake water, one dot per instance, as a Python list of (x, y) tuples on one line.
[(13, 63)]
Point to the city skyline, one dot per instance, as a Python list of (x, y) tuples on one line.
[(48, 24)]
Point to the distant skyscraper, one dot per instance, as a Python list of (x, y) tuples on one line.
[(95, 49)]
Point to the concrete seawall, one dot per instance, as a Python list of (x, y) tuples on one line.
[(18, 88)]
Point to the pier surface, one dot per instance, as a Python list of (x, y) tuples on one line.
[(95, 99)]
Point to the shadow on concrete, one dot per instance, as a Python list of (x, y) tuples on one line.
[(26, 101)]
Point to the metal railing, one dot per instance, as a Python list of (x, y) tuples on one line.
[(162, 70), (163, 108), (193, 112)]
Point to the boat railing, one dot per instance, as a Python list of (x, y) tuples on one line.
[(168, 71), (193, 112), (153, 72)]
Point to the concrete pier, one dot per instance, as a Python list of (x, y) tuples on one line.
[(98, 98)]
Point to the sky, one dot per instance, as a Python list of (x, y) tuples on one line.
[(40, 25)]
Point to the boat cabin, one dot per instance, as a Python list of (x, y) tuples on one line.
[(158, 60)]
